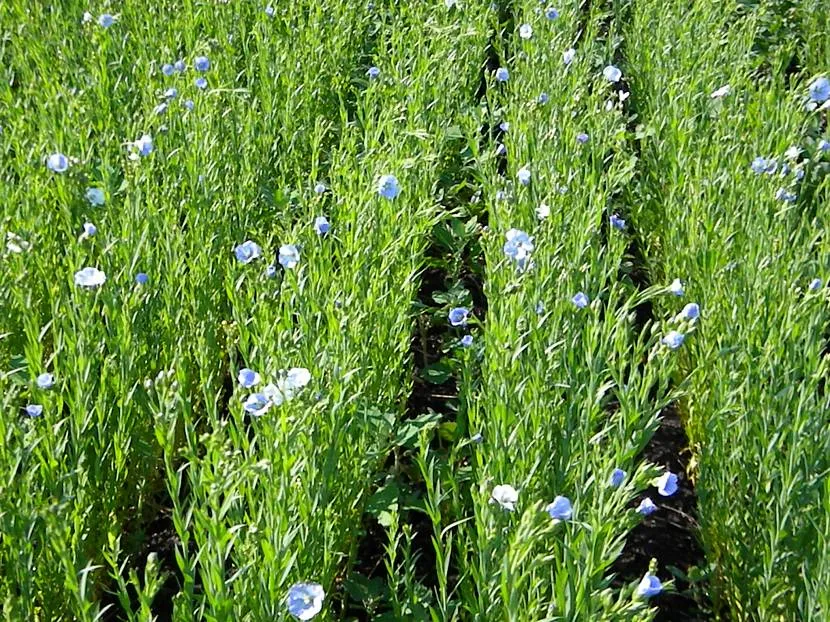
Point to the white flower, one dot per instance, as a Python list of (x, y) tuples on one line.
[(90, 278), (506, 496), (289, 256), (612, 73), (543, 211), (721, 92), (525, 31)]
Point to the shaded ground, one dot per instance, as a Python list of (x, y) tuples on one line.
[(669, 534)]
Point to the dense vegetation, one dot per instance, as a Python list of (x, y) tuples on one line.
[(380, 310)]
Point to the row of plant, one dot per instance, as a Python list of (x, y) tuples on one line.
[(532, 488), (132, 300), (736, 154)]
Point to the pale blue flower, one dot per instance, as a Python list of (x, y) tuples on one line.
[(388, 186), (772, 166), (646, 507), (288, 256), (57, 163), (188, 103), (617, 222), (786, 196), (95, 196), (248, 378), (667, 484), (467, 341), (90, 278), (477, 438), (612, 73), (504, 126), (160, 109), (171, 93), (373, 73), (179, 66), (815, 284), (506, 496), (201, 83), (580, 300), (167, 69), (34, 410), (257, 404), (799, 173), (823, 145), (305, 600), (582, 138), (568, 56), (551, 13), (271, 271), (525, 31), (501, 149), (321, 225), (689, 313), (502, 75), (269, 11), (320, 187), (106, 20), (543, 98), (819, 90), (458, 316), (759, 165), (141, 278), (540, 308), (673, 340), (518, 247), (649, 586), (201, 63), (524, 175), (560, 509), (45, 381), (676, 287), (247, 251), (617, 478), (144, 145), (89, 230)]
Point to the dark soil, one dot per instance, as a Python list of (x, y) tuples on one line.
[(669, 534), (159, 537)]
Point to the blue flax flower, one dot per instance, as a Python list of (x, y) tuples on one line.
[(617, 478), (45, 381), (673, 339), (502, 75), (34, 410), (560, 509), (388, 187), (305, 600), (649, 586), (646, 507), (580, 300), (667, 484), (248, 378), (201, 63), (458, 316), (247, 251)]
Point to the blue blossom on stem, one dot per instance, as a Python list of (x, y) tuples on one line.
[(247, 251), (646, 507), (458, 316), (560, 509), (305, 600), (667, 484), (45, 381), (649, 586), (388, 186), (617, 478), (673, 340), (580, 300)]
